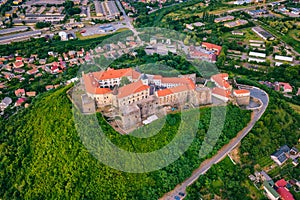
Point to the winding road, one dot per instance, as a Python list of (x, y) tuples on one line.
[(255, 92)]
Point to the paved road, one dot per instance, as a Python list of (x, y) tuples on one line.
[(127, 20), (254, 92)]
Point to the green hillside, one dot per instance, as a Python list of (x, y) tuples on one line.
[(42, 157)]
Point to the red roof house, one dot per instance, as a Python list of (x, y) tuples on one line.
[(20, 101), (19, 92), (18, 64), (212, 47), (19, 59), (285, 194), (281, 183)]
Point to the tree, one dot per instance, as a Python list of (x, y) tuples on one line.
[(124, 81)]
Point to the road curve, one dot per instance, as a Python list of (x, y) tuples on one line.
[(225, 150)]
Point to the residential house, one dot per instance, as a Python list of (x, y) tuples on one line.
[(31, 94), (49, 87), (5, 103), (283, 191), (280, 156), (20, 101), (20, 92), (19, 59), (19, 70), (18, 64), (286, 87), (42, 61), (270, 191), (32, 71)]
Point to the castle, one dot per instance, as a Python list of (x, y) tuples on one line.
[(143, 96)]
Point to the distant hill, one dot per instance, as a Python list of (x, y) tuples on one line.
[(42, 157)]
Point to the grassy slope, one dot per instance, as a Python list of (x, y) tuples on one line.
[(42, 157)]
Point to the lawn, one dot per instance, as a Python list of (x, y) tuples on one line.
[(254, 193), (274, 172), (295, 107), (265, 161), (248, 35)]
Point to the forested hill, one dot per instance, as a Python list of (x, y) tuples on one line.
[(42, 157)]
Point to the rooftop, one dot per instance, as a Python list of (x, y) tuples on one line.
[(242, 91), (221, 92), (132, 88), (271, 189), (285, 193), (118, 73)]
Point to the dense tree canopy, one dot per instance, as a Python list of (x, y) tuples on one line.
[(42, 156)]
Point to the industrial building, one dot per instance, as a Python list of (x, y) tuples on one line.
[(13, 30), (239, 22), (224, 19), (19, 37), (262, 33), (107, 9)]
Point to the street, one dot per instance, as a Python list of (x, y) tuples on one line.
[(224, 151)]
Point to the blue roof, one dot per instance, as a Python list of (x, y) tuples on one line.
[(280, 154), (285, 148)]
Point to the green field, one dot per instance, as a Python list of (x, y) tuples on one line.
[(248, 35), (295, 107)]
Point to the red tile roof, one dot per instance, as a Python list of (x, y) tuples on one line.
[(175, 80), (31, 94), (174, 90), (18, 64), (242, 91), (19, 92), (118, 73), (286, 86), (92, 85), (220, 80), (181, 88), (281, 183), (19, 58), (157, 77), (33, 71), (221, 92), (49, 87), (132, 88), (20, 101), (212, 46), (164, 92), (285, 194)]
